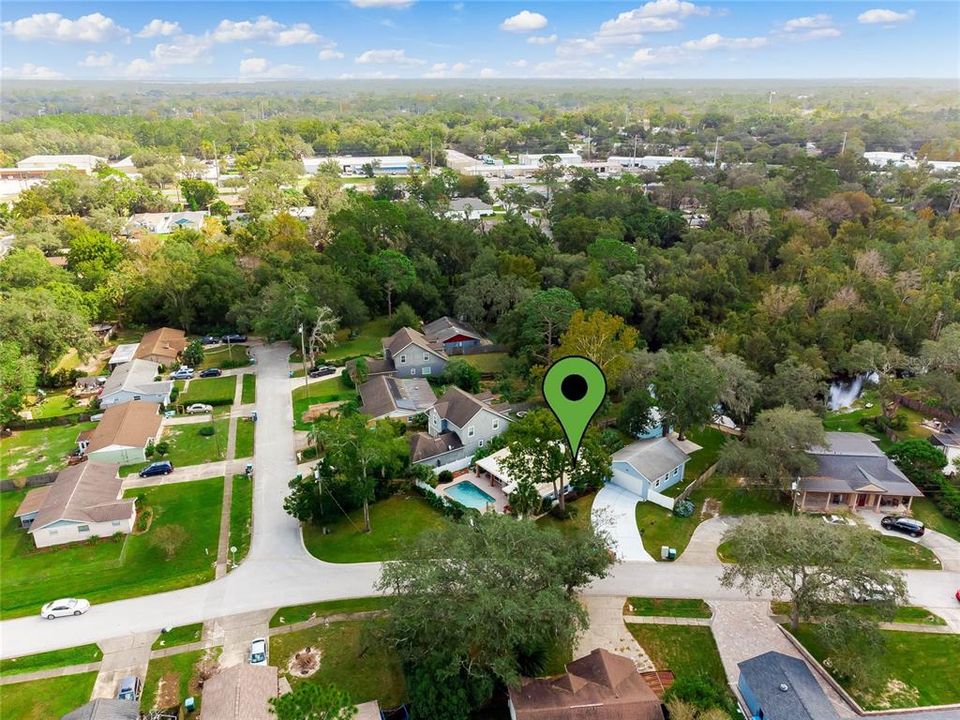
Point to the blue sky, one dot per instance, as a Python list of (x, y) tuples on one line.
[(428, 38)]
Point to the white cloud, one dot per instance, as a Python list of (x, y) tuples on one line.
[(387, 56), (671, 7), (880, 16), (666, 55), (94, 60), (329, 53), (258, 67), (576, 47), (265, 29), (524, 21), (183, 50), (381, 3), (446, 70), (542, 39), (54, 26), (157, 27), (487, 73), (811, 27), (521, 63), (29, 71), (715, 41), (141, 67)]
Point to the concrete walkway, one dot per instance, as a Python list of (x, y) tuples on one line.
[(223, 544), (702, 548), (607, 630), (614, 510), (190, 473)]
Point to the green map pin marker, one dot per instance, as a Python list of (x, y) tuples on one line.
[(574, 388)]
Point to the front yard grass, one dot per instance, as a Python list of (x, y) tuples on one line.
[(245, 433), (80, 655), (249, 391), (188, 446), (929, 514), (298, 613), (46, 699), (212, 391), (241, 516), (224, 357), (181, 635), (180, 668), (910, 614), (903, 554), (686, 650), (105, 569), (395, 522), (316, 393), (579, 520), (915, 669), (353, 657), (32, 452), (667, 607)]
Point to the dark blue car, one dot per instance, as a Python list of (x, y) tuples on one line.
[(234, 338), (211, 372), (164, 467)]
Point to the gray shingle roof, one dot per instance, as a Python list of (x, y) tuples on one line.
[(87, 492), (803, 699), (105, 709), (136, 376), (651, 458), (383, 395), (406, 336), (852, 462), (441, 329), (423, 445), (459, 406)]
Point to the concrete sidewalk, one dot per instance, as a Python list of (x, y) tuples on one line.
[(222, 468)]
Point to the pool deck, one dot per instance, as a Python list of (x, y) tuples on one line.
[(492, 489)]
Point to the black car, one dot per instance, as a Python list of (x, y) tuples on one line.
[(322, 371), (234, 338), (906, 525), (209, 340), (164, 467), (211, 372)]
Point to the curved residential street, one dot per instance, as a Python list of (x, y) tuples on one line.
[(278, 570)]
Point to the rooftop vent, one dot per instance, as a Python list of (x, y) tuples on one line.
[(784, 687)]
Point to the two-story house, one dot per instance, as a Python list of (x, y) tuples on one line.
[(457, 426), (409, 353), (648, 465), (451, 335)]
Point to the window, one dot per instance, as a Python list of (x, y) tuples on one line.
[(837, 499), (480, 444), (136, 397), (496, 423), (403, 359), (427, 370), (115, 523), (471, 431), (413, 371), (83, 528), (426, 357)]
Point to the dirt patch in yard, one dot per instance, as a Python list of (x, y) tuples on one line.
[(711, 508), (168, 691), (320, 409), (304, 663), (895, 694)]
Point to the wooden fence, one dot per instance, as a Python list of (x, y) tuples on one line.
[(704, 476), (30, 481), (922, 407), (58, 420)]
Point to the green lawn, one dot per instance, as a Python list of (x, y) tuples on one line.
[(46, 699), (32, 452), (241, 516), (930, 515), (366, 342), (188, 446), (297, 613), (80, 655), (903, 554), (353, 657), (223, 357), (245, 432), (667, 607), (249, 392), (904, 614), (686, 650), (56, 404), (579, 520), (916, 669), (181, 635), (107, 569), (325, 391), (486, 363), (212, 391), (851, 421), (395, 521), (182, 667)]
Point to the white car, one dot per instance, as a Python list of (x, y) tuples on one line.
[(64, 607), (258, 652), (199, 409)]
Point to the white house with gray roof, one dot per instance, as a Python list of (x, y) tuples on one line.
[(135, 380), (410, 354), (457, 426), (648, 465)]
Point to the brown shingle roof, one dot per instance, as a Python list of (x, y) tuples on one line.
[(87, 492), (130, 424), (406, 336), (459, 406), (163, 342), (423, 445), (241, 692), (383, 395), (33, 501), (599, 686)]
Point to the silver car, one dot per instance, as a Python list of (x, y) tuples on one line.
[(64, 607), (258, 652)]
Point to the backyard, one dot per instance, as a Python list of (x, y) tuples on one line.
[(395, 521), (487, 363), (903, 681), (578, 521), (353, 657), (32, 452), (241, 516), (332, 390), (46, 699), (211, 391), (56, 404), (188, 446), (366, 341), (109, 569)]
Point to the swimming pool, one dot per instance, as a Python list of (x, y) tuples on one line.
[(470, 495)]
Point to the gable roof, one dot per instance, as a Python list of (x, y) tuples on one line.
[(105, 709), (408, 336), (136, 376), (651, 458), (163, 342), (459, 406), (382, 395), (444, 328), (852, 462), (241, 692), (129, 424), (424, 445), (803, 699), (598, 686), (87, 492)]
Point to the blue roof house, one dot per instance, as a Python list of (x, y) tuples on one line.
[(779, 687)]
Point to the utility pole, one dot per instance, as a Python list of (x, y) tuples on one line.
[(716, 151), (843, 145), (635, 138), (303, 357)]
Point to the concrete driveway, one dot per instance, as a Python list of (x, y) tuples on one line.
[(123, 656), (944, 547), (614, 510)]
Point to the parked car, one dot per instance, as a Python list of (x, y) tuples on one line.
[(209, 340), (234, 338), (957, 596), (321, 371), (258, 652), (64, 607), (163, 467), (182, 375), (130, 688), (199, 409), (211, 372), (906, 525)]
